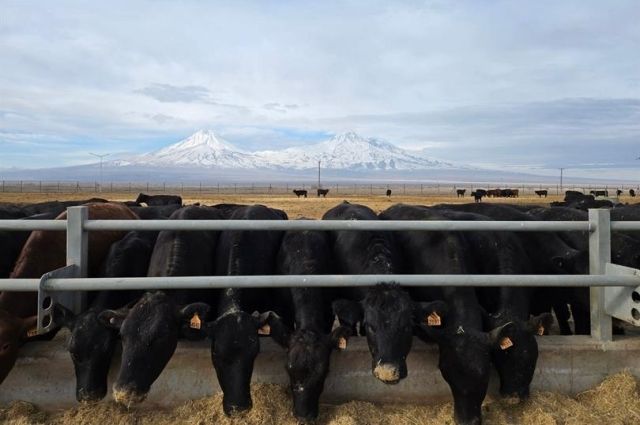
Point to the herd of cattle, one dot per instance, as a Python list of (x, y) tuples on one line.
[(474, 328)]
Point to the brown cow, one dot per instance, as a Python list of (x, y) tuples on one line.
[(45, 251)]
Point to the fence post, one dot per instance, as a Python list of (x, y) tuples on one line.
[(599, 256), (77, 251)]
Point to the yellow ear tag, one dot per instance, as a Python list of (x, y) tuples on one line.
[(195, 322), (342, 343), (32, 332), (264, 330), (434, 320), (540, 330), (506, 343)]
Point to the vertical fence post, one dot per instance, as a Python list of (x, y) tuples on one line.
[(599, 256), (77, 251)]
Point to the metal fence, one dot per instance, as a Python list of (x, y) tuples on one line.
[(280, 188), (615, 290)]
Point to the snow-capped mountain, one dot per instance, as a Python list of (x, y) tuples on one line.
[(346, 151), (203, 148), (353, 152)]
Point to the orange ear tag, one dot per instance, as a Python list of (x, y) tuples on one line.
[(506, 343), (32, 332), (342, 343), (540, 330), (195, 322), (434, 320), (264, 330)]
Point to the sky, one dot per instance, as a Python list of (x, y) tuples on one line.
[(520, 84)]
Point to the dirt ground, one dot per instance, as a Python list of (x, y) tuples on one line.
[(614, 402)]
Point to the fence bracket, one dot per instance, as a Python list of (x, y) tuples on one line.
[(623, 302), (47, 299)]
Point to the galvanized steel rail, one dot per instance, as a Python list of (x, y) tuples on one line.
[(78, 225)]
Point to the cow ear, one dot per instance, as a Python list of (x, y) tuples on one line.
[(63, 316), (270, 323), (431, 314), (194, 314), (113, 318), (339, 337), (192, 321), (541, 324), (502, 337), (29, 327), (349, 313), (430, 318)]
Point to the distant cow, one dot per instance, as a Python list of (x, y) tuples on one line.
[(155, 200), (478, 194), (300, 193), (542, 193), (573, 195), (597, 193), (493, 193), (389, 193), (323, 192), (461, 192), (618, 192), (632, 193)]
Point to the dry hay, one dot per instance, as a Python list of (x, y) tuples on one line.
[(615, 401)]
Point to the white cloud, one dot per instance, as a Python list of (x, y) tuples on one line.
[(420, 73)]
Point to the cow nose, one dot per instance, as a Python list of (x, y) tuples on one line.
[(127, 396), (388, 373), (236, 409)]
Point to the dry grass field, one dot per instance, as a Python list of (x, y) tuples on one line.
[(311, 207)]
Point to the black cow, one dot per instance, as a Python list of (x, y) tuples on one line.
[(503, 253), (299, 192), (155, 212), (150, 329), (625, 250), (460, 192), (618, 192), (597, 193), (385, 310), (574, 195), (156, 200), (310, 342), (234, 333), (542, 193), (632, 193), (91, 344), (478, 194), (323, 192), (457, 326), (388, 193)]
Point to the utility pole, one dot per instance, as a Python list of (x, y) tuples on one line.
[(319, 186), (561, 175), (100, 156)]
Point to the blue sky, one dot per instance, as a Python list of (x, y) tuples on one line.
[(526, 84)]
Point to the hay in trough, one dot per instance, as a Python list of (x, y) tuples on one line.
[(615, 401)]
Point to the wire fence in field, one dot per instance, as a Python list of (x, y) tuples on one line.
[(354, 189)]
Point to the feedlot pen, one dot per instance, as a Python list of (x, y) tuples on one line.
[(44, 373)]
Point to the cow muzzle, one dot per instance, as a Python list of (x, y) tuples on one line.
[(389, 373), (128, 397)]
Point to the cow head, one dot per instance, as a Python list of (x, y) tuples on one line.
[(308, 354), (14, 332), (91, 347), (517, 364), (385, 316), (465, 357), (571, 261), (149, 331), (234, 348)]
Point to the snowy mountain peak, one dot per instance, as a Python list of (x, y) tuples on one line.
[(346, 151), (204, 140)]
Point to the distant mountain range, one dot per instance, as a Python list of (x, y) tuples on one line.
[(346, 151), (346, 157)]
